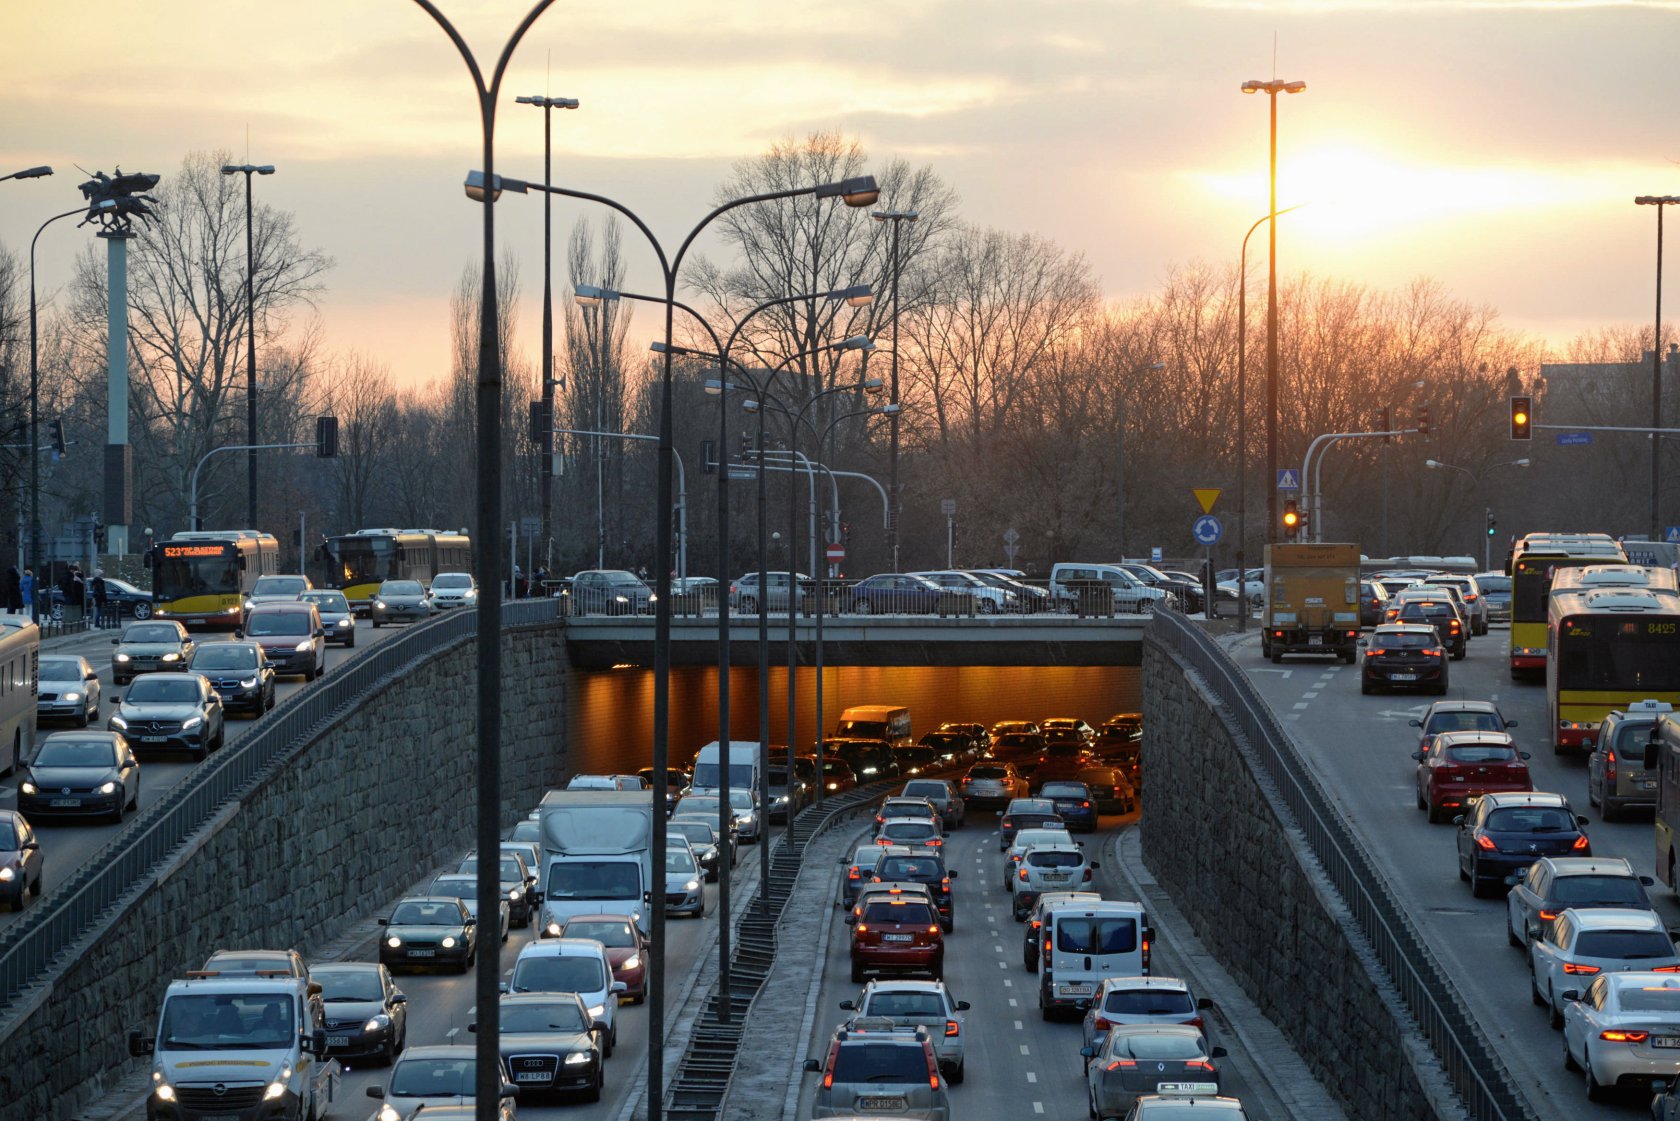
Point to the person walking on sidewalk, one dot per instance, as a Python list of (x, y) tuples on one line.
[(72, 587), (27, 585), (13, 593), (97, 587)]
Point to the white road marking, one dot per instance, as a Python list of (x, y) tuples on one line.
[(999, 949), (451, 1034), (1008, 984), (991, 918), (1038, 1107), (1003, 965), (1312, 696), (1292, 716), (1257, 669), (1013, 1004), (1025, 1050), (1031, 1077), (1300, 705), (1019, 1026)]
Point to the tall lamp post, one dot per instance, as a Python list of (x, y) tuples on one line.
[(248, 170), (855, 192), (35, 425), (896, 218), (1272, 88), (546, 475), (1475, 478), (487, 571), (1658, 201)]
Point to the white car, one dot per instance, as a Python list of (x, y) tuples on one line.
[(1623, 1028), (1581, 944), (927, 1004), (988, 598), (1026, 839), (572, 965), (1253, 586), (910, 831), (453, 589), (1049, 868), (1133, 1001), (685, 885)]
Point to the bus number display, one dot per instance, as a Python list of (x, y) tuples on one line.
[(193, 550), (1662, 628)]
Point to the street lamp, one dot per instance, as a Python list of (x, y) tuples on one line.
[(249, 170), (546, 448), (487, 571), (28, 173), (1658, 201), (858, 191), (1271, 89), (896, 218), (1476, 480)]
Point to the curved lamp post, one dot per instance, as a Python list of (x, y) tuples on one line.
[(35, 409), (248, 170)]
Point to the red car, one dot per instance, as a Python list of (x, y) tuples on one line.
[(626, 948), (897, 936), (1459, 766)]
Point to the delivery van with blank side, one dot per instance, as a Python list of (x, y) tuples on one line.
[(890, 723), (1082, 944)]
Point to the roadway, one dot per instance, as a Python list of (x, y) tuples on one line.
[(1017, 1064), (68, 844), (1361, 748)]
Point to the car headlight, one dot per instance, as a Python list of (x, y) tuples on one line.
[(164, 1091), (344, 622), (191, 723), (621, 599), (634, 961), (379, 603), (514, 894), (551, 930), (27, 787), (121, 658), (388, 1112), (304, 645), (576, 1058), (834, 786), (118, 722), (597, 1010), (170, 658), (449, 941), (470, 593), (108, 788), (248, 683), (249, 604), (234, 610), (7, 875), (71, 696), (379, 1023), (275, 1089), (692, 885), (393, 941)]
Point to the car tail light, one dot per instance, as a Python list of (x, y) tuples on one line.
[(951, 1027), (852, 874), (1547, 916), (1470, 598), (1201, 1064), (1277, 634), (1665, 969), (1615, 1035), (1485, 844), (1609, 767), (1194, 1021), (1145, 953), (1101, 1024), (932, 1065), (1087, 875), (1117, 1064), (1577, 968), (861, 929), (1023, 873), (1581, 842), (934, 929), (1376, 650)]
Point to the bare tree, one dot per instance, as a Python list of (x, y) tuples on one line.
[(359, 393), (594, 397)]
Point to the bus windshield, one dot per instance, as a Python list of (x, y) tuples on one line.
[(364, 559), (204, 570), (1609, 652)]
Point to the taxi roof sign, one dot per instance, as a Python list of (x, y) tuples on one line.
[(1187, 1089)]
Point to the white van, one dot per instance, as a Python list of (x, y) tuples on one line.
[(875, 722), (1083, 944), (1131, 595), (743, 767)]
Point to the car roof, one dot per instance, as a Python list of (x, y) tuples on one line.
[(1059, 848), (562, 948), (594, 918), (1146, 983), (439, 1051), (1526, 798), (1030, 806), (1462, 706), (1616, 918), (1403, 628), (283, 607), (1589, 866), (1462, 739)]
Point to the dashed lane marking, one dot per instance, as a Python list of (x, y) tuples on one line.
[(1019, 1026), (1300, 705), (1038, 1107), (1003, 965), (1031, 1077), (1292, 715), (1013, 1004), (1008, 984)]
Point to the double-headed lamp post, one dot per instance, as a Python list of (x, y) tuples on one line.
[(896, 218), (1658, 201), (1272, 88), (248, 170), (1475, 478)]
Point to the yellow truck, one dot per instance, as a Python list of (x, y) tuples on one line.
[(1312, 601)]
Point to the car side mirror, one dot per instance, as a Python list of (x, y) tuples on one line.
[(1418, 755), (399, 998), (1646, 881), (1217, 1053), (1570, 995), (1088, 1051), (239, 632), (376, 1092), (510, 1092), (469, 921), (1524, 755), (1659, 1086), (503, 987), (952, 873), (850, 919), (1459, 820), (472, 1028), (848, 1006), (1653, 754), (140, 1044), (1510, 723), (962, 1006), (1579, 820), (90, 676), (318, 1042), (31, 845), (1204, 1002), (384, 922), (620, 987), (812, 1066), (116, 641), (314, 988), (1095, 867), (1513, 879), (320, 632), (1414, 723)]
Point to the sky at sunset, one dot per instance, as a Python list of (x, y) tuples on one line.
[(1493, 145)]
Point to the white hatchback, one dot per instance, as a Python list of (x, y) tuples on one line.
[(572, 965)]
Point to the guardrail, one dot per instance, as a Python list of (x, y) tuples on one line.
[(29, 946), (1470, 1062)]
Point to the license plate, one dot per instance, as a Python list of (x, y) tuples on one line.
[(1074, 990), (1315, 640), (531, 1076), (65, 803), (1055, 878), (154, 739), (338, 1041), (1647, 784), (896, 937), (219, 1117), (422, 953), (880, 1103), (1665, 1041), (1402, 677)]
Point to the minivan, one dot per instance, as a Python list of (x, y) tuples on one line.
[(875, 722), (743, 768), (292, 637), (1083, 944)]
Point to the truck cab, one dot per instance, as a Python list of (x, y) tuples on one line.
[(244, 1047), (597, 856)]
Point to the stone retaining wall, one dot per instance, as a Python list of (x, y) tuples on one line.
[(1219, 839), (379, 796)]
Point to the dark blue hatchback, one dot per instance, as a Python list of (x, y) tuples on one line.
[(1504, 833), (1074, 803)]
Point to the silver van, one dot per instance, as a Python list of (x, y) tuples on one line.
[(1083, 944), (1131, 595)]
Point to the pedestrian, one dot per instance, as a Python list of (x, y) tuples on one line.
[(13, 593), (97, 587), (71, 586), (27, 586)]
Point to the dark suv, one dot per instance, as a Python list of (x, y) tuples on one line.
[(1444, 617), (1404, 656), (1373, 601), (904, 864)]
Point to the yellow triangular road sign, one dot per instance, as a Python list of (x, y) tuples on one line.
[(1207, 496)]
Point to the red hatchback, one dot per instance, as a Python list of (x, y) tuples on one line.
[(626, 948), (1459, 766), (897, 936)]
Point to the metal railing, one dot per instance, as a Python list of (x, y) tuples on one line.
[(32, 945), (1470, 1062)]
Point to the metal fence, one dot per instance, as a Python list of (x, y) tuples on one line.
[(1488, 1090), (31, 945)]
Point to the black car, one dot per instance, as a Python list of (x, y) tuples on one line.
[(1503, 833), (1404, 656), (551, 1044), (170, 710), (366, 1014), (1444, 617), (76, 774), (429, 930), (870, 760), (1026, 813), (904, 864), (1373, 601), (1186, 592), (239, 672), (1112, 788), (899, 593), (702, 837)]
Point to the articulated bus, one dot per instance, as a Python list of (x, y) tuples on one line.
[(20, 681), (1534, 560), (1610, 647), (357, 563), (200, 578)]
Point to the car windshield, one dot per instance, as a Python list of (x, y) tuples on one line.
[(1027, 837), (1463, 722), (699, 804), (77, 753), (224, 655), (400, 588), (507, 869), (1160, 1047), (1064, 790), (678, 860), (348, 984), (926, 790), (1149, 1002), (1042, 859), (327, 601), (1649, 998), (698, 832), (1019, 742), (607, 933), (279, 586), (549, 973), (433, 1078), (886, 911), (914, 868), (1629, 945), (859, 1061), (1400, 640), (1530, 819), (905, 809), (559, 1016), (264, 623), (152, 632), (1598, 891), (162, 689), (905, 1004), (590, 879), (61, 669), (228, 1021), (1495, 584), (1482, 753), (425, 913), (867, 855), (1084, 934), (452, 580), (987, 772), (464, 888)]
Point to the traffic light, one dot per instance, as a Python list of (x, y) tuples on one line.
[(1423, 420), (1291, 515), (1522, 418), (326, 437), (1492, 525), (539, 423), (55, 437)]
